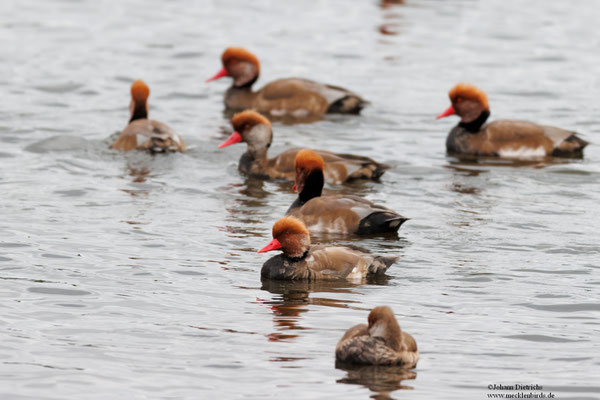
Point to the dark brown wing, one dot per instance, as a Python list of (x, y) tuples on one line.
[(148, 134), (290, 96), (367, 350)]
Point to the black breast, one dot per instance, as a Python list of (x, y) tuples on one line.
[(277, 267), (456, 142)]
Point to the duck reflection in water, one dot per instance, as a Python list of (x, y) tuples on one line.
[(477, 163), (292, 299), (378, 378), (249, 207)]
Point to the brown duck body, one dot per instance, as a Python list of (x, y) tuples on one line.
[(345, 214), (338, 168), (256, 131), (142, 133), (358, 346), (147, 134), (321, 262), (295, 97), (513, 139), (503, 138)]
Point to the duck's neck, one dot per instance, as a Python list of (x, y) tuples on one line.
[(254, 160), (475, 125), (140, 111), (297, 258), (390, 331), (313, 186), (239, 98)]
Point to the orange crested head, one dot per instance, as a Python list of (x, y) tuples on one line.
[(140, 91), (291, 236), (308, 160), (467, 91), (248, 118), (289, 226), (239, 54)]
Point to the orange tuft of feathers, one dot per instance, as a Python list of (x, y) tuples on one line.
[(240, 54), (140, 91), (289, 225), (468, 91), (248, 117), (308, 160)]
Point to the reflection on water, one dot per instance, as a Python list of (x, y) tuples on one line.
[(139, 174), (292, 299), (540, 162), (379, 379)]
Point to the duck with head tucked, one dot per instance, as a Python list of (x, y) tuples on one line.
[(381, 342), (142, 133), (294, 97), (301, 260), (502, 138), (255, 130)]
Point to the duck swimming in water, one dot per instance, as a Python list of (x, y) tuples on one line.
[(142, 133), (293, 97), (346, 214), (502, 138), (255, 130), (302, 260), (381, 342)]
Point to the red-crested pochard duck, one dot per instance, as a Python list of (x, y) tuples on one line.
[(503, 138), (254, 129), (336, 213), (142, 133), (381, 342), (301, 260), (293, 97)]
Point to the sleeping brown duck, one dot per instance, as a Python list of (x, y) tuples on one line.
[(381, 342)]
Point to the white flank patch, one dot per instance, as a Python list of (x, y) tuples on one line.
[(301, 112), (141, 139), (337, 226), (522, 152), (355, 274), (278, 113)]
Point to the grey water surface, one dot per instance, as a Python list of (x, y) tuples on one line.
[(131, 276)]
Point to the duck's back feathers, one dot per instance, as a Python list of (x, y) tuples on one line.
[(358, 347), (338, 168), (301, 97), (347, 214), (146, 134)]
